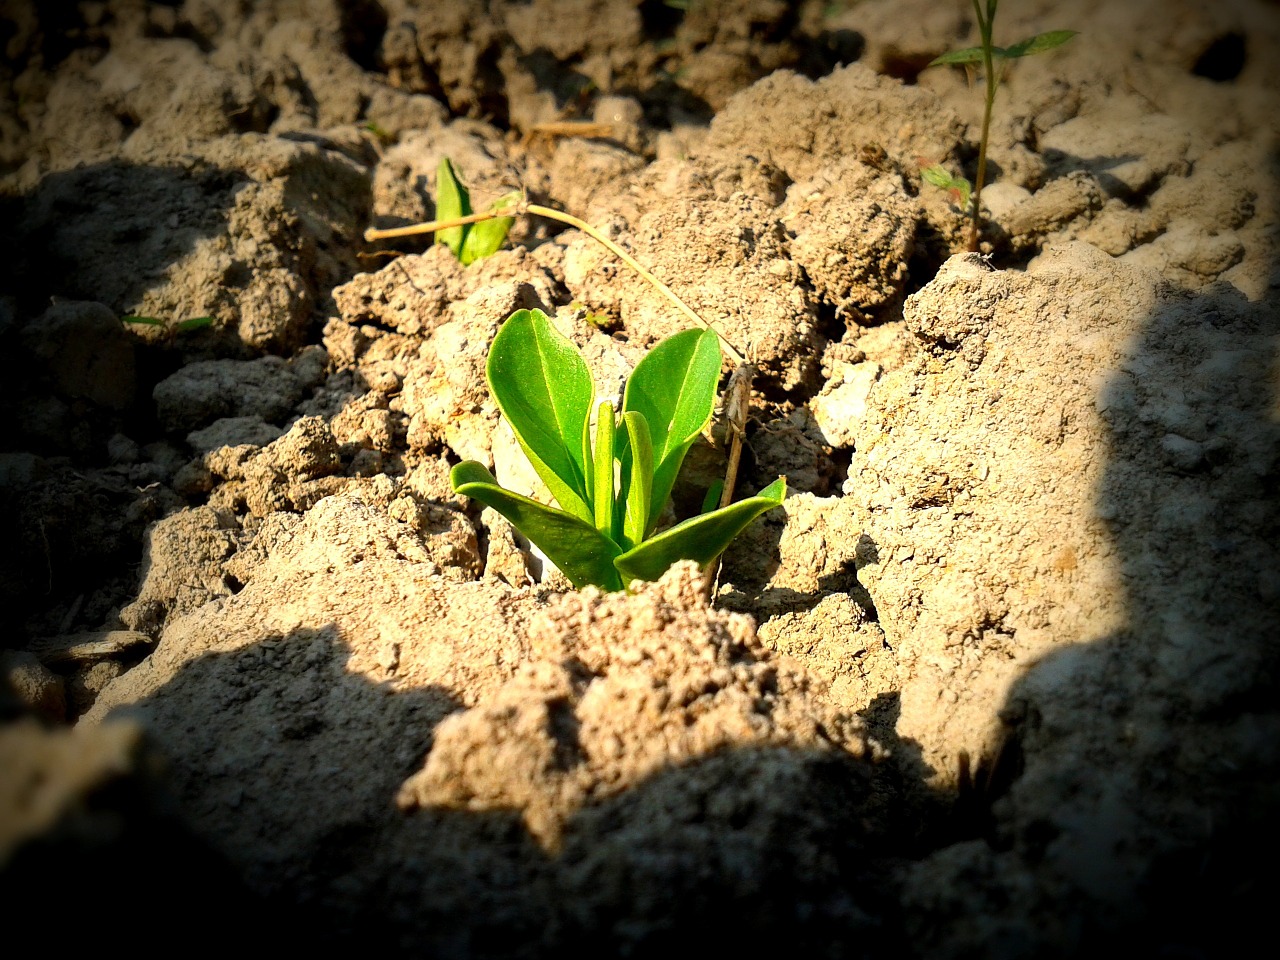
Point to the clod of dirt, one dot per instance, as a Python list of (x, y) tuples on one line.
[(853, 232), (251, 231), (619, 688), (86, 352), (807, 124), (729, 261), (203, 392), (76, 799), (182, 563), (342, 610)]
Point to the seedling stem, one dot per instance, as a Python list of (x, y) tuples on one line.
[(992, 82)]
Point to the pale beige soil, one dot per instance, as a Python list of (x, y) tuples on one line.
[(997, 680)]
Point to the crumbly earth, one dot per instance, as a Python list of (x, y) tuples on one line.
[(999, 677)]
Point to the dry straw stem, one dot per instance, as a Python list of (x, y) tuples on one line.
[(739, 389)]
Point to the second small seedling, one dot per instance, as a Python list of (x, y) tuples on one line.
[(986, 54)]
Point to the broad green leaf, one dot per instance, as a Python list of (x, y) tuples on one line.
[(637, 478), (581, 552), (674, 387), (544, 389), (959, 57), (602, 485), (487, 236), (701, 538), (1039, 43), (452, 200)]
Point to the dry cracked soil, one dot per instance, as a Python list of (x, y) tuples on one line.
[(997, 680)]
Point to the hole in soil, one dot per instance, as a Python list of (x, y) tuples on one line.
[(903, 67), (660, 19), (128, 120), (364, 23), (830, 326), (929, 254), (841, 458), (830, 49), (1223, 59)]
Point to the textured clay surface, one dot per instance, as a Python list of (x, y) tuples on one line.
[(997, 679)]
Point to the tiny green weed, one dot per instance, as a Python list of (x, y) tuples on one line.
[(180, 326), (384, 136)]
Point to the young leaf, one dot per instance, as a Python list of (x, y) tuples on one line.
[(544, 389), (637, 475), (940, 176), (674, 387), (959, 57), (452, 200), (602, 485), (386, 136), (701, 538), (487, 236), (1039, 43), (148, 321), (193, 323), (581, 552)]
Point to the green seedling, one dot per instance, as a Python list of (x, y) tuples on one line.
[(468, 241), (986, 55), (611, 488), (737, 392), (386, 137), (182, 326)]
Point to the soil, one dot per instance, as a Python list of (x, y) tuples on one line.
[(998, 679)]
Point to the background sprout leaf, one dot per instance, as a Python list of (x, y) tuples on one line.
[(940, 176), (701, 538), (452, 200), (987, 54), (958, 57), (581, 552), (469, 241), (1038, 44), (712, 496), (486, 237), (674, 388)]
